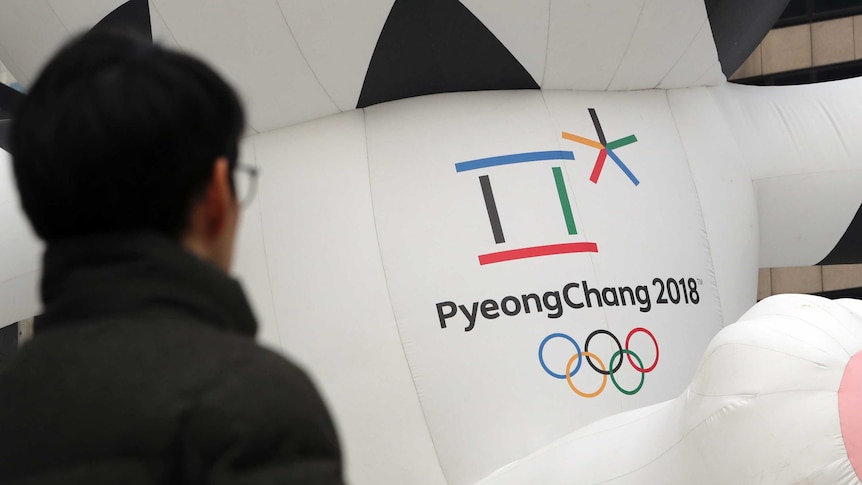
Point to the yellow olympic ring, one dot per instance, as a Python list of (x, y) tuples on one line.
[(569, 377)]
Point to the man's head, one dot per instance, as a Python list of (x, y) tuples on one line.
[(119, 135)]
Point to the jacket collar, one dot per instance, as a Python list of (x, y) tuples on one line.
[(120, 275)]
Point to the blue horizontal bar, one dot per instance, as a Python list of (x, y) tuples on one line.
[(513, 158)]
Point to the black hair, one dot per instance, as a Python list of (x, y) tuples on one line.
[(118, 134)]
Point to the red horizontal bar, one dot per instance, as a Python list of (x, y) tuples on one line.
[(578, 247)]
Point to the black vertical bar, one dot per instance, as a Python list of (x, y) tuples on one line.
[(491, 205), (598, 126), (4, 134), (10, 100), (8, 342)]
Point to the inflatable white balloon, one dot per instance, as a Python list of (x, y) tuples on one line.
[(776, 399), (463, 344), (473, 276)]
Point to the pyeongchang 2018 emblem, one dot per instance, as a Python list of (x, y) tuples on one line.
[(606, 149), (575, 363)]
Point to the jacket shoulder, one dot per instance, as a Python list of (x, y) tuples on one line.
[(264, 416)]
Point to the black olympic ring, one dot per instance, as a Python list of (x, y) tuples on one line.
[(590, 360)]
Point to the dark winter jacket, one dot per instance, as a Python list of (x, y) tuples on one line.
[(144, 370)]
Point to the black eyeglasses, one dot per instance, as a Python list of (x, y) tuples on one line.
[(245, 183)]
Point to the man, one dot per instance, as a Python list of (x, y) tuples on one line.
[(144, 369)]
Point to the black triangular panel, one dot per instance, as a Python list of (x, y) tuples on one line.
[(133, 16), (10, 99), (848, 250), (4, 134), (439, 46), (738, 26)]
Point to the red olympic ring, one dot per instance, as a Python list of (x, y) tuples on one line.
[(654, 341)]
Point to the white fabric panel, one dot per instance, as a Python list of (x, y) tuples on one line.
[(331, 299), (804, 151), (521, 25), (725, 195), (624, 45), (802, 217), (161, 34), (337, 38), (251, 45), (698, 66), (19, 298), (793, 130), (250, 263), (20, 254), (665, 31), (30, 32), (486, 398), (5, 57), (766, 390), (587, 40), (296, 60), (656, 228)]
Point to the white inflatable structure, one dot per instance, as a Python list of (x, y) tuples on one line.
[(481, 282), (776, 399)]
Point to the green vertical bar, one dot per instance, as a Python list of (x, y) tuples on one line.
[(564, 201)]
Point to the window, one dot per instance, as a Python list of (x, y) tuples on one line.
[(809, 11), (832, 72)]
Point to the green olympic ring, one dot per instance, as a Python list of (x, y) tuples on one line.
[(619, 354)]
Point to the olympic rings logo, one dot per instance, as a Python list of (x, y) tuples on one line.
[(593, 359)]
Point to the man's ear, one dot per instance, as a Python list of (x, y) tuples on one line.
[(210, 212), (218, 197), (212, 219)]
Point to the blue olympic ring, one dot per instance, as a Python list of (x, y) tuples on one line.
[(542, 358)]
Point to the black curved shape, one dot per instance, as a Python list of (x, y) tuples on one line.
[(132, 16), (848, 250), (10, 99), (430, 47), (4, 134), (738, 26)]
